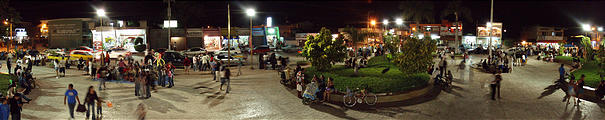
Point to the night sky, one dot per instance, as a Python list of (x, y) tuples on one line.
[(333, 14)]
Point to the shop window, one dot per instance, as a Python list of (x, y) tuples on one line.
[(132, 24)]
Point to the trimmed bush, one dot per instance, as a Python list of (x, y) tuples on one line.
[(391, 81)]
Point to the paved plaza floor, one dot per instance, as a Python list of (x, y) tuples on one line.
[(257, 94)]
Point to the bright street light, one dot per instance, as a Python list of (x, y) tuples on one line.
[(373, 22), (600, 29), (385, 22), (398, 21), (250, 12), (101, 13), (586, 27)]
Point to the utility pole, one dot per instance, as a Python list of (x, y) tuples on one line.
[(228, 36), (169, 23), (10, 22), (491, 20)]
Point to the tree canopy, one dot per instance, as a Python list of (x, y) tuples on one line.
[(322, 50), (416, 55)]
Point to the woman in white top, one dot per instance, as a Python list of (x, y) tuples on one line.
[(56, 64)]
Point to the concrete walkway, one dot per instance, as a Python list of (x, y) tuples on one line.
[(259, 95)]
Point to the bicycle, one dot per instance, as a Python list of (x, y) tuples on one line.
[(353, 97)]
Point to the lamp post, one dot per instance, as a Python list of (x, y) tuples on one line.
[(100, 14), (250, 13), (10, 23), (491, 20)]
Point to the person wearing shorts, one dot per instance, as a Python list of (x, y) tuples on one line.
[(329, 89)]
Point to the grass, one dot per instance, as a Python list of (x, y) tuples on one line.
[(372, 76), (4, 82), (590, 69)]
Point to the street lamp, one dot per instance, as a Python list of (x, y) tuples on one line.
[(600, 29), (586, 27), (398, 21), (100, 14), (385, 22), (250, 13), (373, 22)]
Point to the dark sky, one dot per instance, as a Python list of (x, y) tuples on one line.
[(514, 14)]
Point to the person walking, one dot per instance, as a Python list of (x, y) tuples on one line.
[(498, 83), (102, 74), (580, 88), (187, 64), (170, 74), (137, 82), (225, 78), (89, 100), (70, 98), (148, 84), (562, 72), (213, 69)]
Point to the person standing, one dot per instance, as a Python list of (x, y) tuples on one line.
[(498, 81), (4, 108), (213, 69), (187, 64), (170, 74), (148, 84), (89, 100), (70, 98), (195, 62), (562, 72), (8, 64), (102, 73), (15, 104)]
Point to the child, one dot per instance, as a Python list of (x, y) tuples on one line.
[(100, 106)]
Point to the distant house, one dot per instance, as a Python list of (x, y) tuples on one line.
[(544, 36)]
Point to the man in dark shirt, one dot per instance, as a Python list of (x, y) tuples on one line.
[(15, 107)]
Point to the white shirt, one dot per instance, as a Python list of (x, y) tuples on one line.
[(194, 59), (205, 59)]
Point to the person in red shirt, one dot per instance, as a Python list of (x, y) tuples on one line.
[(186, 63), (107, 58), (170, 73)]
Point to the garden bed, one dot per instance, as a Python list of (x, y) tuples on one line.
[(590, 69), (4, 82), (392, 81)]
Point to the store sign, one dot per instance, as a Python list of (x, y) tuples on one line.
[(170, 23), (496, 31), (194, 33), (258, 32)]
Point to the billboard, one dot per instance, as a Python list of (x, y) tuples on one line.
[(496, 31), (65, 33)]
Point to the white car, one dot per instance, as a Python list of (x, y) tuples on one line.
[(234, 50), (114, 53), (195, 51), (232, 60)]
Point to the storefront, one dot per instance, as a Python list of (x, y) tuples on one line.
[(117, 38), (212, 39), (272, 35)]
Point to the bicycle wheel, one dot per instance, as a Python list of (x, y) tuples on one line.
[(349, 100), (371, 99)]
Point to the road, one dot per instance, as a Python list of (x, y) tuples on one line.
[(257, 94)]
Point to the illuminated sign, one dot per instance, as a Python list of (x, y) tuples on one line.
[(170, 24), (496, 30), (269, 21)]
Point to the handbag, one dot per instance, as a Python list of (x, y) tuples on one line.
[(81, 108)]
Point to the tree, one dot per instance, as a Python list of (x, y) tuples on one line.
[(322, 50), (354, 37), (416, 55), (418, 11), (588, 52), (391, 43), (457, 10)]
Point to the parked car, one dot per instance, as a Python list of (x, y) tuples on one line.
[(232, 60), (234, 50), (195, 51), (291, 48), (118, 53), (76, 55), (175, 57), (261, 49)]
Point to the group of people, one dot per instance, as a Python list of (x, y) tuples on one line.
[(90, 100), (273, 60), (325, 87)]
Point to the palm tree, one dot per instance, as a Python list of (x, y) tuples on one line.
[(355, 36), (418, 11), (456, 8)]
